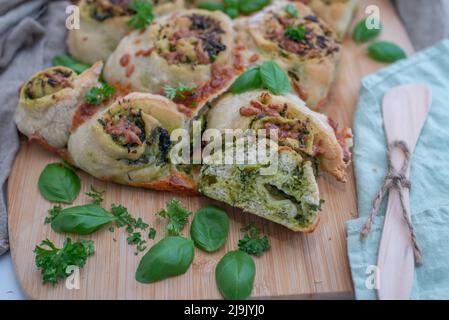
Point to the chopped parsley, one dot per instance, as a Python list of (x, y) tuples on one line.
[(152, 233), (252, 243), (96, 196), (97, 95), (52, 213), (133, 227), (177, 217), (143, 16), (179, 92), (296, 34), (53, 262)]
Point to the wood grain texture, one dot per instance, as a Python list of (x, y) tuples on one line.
[(297, 266)]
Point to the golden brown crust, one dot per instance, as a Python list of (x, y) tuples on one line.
[(311, 62)]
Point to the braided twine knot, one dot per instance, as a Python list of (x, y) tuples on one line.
[(395, 179)]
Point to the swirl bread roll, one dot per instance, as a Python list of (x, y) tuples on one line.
[(336, 13), (129, 143), (103, 23), (309, 133), (48, 101), (289, 195), (192, 48), (302, 45)]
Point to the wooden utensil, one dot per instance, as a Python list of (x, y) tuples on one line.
[(405, 110)]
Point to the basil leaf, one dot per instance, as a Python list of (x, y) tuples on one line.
[(362, 34), (250, 6), (235, 275), (69, 62), (274, 78), (82, 219), (169, 257), (248, 80), (211, 6), (385, 51), (57, 183), (209, 229)]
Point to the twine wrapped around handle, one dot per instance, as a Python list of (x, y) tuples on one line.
[(395, 179)]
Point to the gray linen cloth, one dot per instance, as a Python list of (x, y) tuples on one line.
[(32, 32)]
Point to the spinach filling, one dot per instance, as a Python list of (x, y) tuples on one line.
[(289, 196), (157, 149)]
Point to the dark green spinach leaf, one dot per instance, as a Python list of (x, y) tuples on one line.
[(82, 219), (235, 275), (210, 227), (58, 183), (172, 256)]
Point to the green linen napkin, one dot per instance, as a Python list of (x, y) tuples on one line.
[(429, 194)]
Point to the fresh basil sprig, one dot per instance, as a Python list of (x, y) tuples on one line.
[(82, 219), (385, 51), (268, 76), (170, 257), (58, 183), (70, 62), (235, 275), (361, 33), (209, 229)]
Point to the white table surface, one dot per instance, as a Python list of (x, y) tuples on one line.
[(9, 286)]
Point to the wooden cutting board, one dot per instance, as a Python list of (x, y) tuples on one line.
[(297, 266)]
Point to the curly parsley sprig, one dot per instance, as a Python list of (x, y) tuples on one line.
[(54, 262), (143, 14)]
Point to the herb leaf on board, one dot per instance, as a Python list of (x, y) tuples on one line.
[(82, 220), (210, 227), (385, 51), (362, 33), (172, 256), (58, 183), (235, 275)]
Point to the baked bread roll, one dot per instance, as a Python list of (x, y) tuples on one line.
[(192, 48), (309, 133), (103, 23), (336, 13), (48, 101), (289, 195), (302, 45), (129, 143)]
